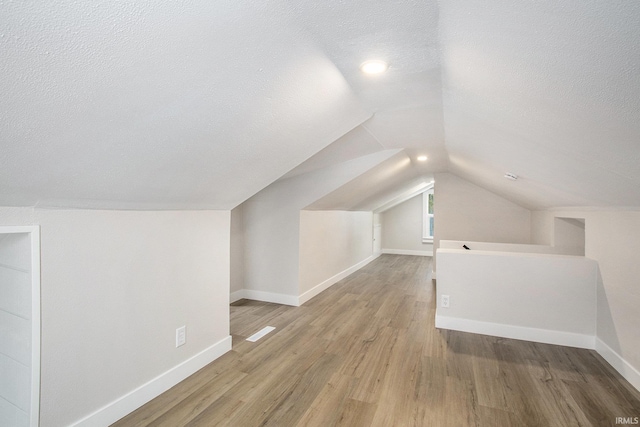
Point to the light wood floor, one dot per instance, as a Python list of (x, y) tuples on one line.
[(366, 353)]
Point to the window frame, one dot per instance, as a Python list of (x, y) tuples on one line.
[(427, 236)]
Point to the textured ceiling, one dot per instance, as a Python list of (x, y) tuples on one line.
[(191, 105), (547, 90), (160, 104)]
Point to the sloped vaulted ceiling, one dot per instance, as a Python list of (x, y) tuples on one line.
[(160, 104), (198, 104), (549, 90)]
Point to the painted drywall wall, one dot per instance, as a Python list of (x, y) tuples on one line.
[(271, 247), (402, 229), (331, 242), (542, 228), (236, 276), (569, 235), (377, 219), (565, 234), (536, 297), (115, 286), (16, 216), (464, 211), (377, 233), (15, 329), (612, 238), (271, 222)]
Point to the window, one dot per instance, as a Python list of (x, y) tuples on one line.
[(427, 217)]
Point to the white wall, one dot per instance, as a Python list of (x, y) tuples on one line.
[(566, 234), (535, 297), (271, 247), (613, 240), (331, 243), (402, 228), (115, 286), (271, 221), (542, 223), (377, 234), (15, 329), (464, 211), (569, 235), (237, 251)]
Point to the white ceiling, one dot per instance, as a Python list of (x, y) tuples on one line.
[(191, 105), (547, 90)]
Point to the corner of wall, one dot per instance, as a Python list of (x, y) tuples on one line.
[(306, 296), (618, 363), (237, 242)]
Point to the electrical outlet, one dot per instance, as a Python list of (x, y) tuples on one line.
[(444, 301), (181, 336)]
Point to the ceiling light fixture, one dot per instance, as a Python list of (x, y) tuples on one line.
[(374, 66), (422, 158), (511, 176)]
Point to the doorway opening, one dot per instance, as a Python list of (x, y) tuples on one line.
[(20, 325)]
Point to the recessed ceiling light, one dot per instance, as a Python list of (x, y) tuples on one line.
[(374, 66), (511, 176), (422, 158)]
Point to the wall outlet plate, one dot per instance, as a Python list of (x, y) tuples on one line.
[(181, 336), (444, 301)]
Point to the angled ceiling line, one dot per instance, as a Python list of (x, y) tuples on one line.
[(364, 126), (403, 197)]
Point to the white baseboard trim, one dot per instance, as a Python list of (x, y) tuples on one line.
[(546, 336), (267, 297), (306, 296), (407, 252), (625, 369), (131, 401), (236, 296)]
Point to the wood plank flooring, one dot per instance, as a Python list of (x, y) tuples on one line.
[(366, 353)]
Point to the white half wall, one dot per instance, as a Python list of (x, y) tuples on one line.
[(333, 244), (402, 229), (612, 238), (115, 286), (535, 297), (504, 247)]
